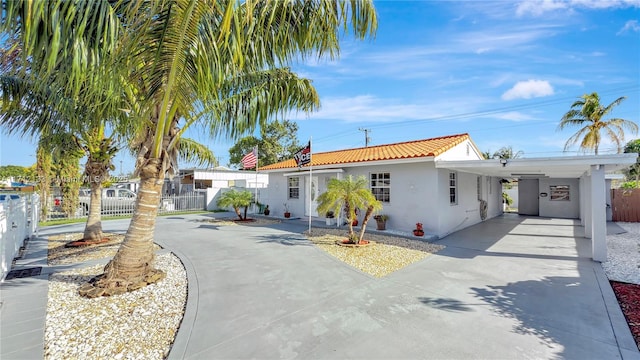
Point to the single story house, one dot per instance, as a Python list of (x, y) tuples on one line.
[(403, 177), (215, 181), (446, 184)]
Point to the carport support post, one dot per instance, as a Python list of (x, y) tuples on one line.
[(598, 214)]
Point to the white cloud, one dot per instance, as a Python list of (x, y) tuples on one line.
[(528, 89), (368, 108), (514, 116), (540, 7), (629, 26)]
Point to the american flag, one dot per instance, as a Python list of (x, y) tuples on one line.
[(251, 159)]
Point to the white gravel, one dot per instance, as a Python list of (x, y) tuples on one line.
[(138, 325), (623, 255)]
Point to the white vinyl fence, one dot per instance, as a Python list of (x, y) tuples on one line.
[(18, 221), (120, 206)]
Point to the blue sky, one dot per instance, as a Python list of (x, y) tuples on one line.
[(505, 72)]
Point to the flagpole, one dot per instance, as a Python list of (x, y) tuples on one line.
[(256, 189), (310, 176)]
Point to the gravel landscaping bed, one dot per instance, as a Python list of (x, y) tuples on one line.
[(389, 254), (623, 270)]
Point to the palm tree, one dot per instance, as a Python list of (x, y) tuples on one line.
[(506, 152), (236, 199), (349, 194), (589, 113), (191, 62)]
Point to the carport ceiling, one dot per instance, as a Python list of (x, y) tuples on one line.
[(552, 167)]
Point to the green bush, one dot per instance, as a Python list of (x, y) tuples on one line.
[(630, 185), (507, 199)]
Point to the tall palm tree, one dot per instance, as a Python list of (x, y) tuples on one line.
[(191, 62), (349, 194), (589, 113)]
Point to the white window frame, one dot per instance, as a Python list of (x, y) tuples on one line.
[(291, 187), (453, 188), (380, 183)]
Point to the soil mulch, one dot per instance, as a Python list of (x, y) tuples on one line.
[(629, 299)]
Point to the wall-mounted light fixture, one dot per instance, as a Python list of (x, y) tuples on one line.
[(503, 162)]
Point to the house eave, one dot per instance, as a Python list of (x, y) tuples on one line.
[(356, 164)]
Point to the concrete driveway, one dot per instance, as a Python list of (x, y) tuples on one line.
[(509, 288)]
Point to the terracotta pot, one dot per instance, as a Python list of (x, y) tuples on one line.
[(381, 225), (287, 214), (354, 223), (418, 232)]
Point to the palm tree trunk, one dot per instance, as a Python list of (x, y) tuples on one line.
[(237, 210), (352, 235), (93, 229), (132, 266), (367, 215)]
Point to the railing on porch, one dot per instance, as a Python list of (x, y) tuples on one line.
[(18, 221), (625, 205)]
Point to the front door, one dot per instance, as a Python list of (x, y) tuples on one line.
[(528, 198), (313, 197)]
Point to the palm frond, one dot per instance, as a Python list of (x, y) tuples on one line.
[(192, 151)]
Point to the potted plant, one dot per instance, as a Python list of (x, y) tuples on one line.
[(381, 221), (329, 217), (287, 214), (418, 231), (266, 210)]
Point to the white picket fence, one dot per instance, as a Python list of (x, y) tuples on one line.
[(19, 216), (192, 201)]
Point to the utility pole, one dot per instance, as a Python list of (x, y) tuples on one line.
[(366, 136)]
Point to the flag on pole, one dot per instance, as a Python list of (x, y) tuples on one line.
[(251, 159), (303, 156)]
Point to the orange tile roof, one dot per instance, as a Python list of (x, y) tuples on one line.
[(403, 150)]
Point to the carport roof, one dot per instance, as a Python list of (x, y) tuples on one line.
[(553, 167)]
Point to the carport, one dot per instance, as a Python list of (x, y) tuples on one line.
[(568, 186)]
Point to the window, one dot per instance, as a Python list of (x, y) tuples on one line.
[(479, 187), (453, 188), (381, 186), (559, 193), (294, 187)]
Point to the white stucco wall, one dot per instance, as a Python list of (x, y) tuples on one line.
[(463, 151), (463, 214), (412, 194), (560, 209), (419, 193)]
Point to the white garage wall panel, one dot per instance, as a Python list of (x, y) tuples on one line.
[(569, 209)]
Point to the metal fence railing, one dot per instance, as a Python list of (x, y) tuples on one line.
[(18, 221), (125, 206)]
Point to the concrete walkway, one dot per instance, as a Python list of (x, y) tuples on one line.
[(509, 288)]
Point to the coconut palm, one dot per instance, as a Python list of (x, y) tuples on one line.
[(589, 113), (190, 62), (236, 200), (349, 194)]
